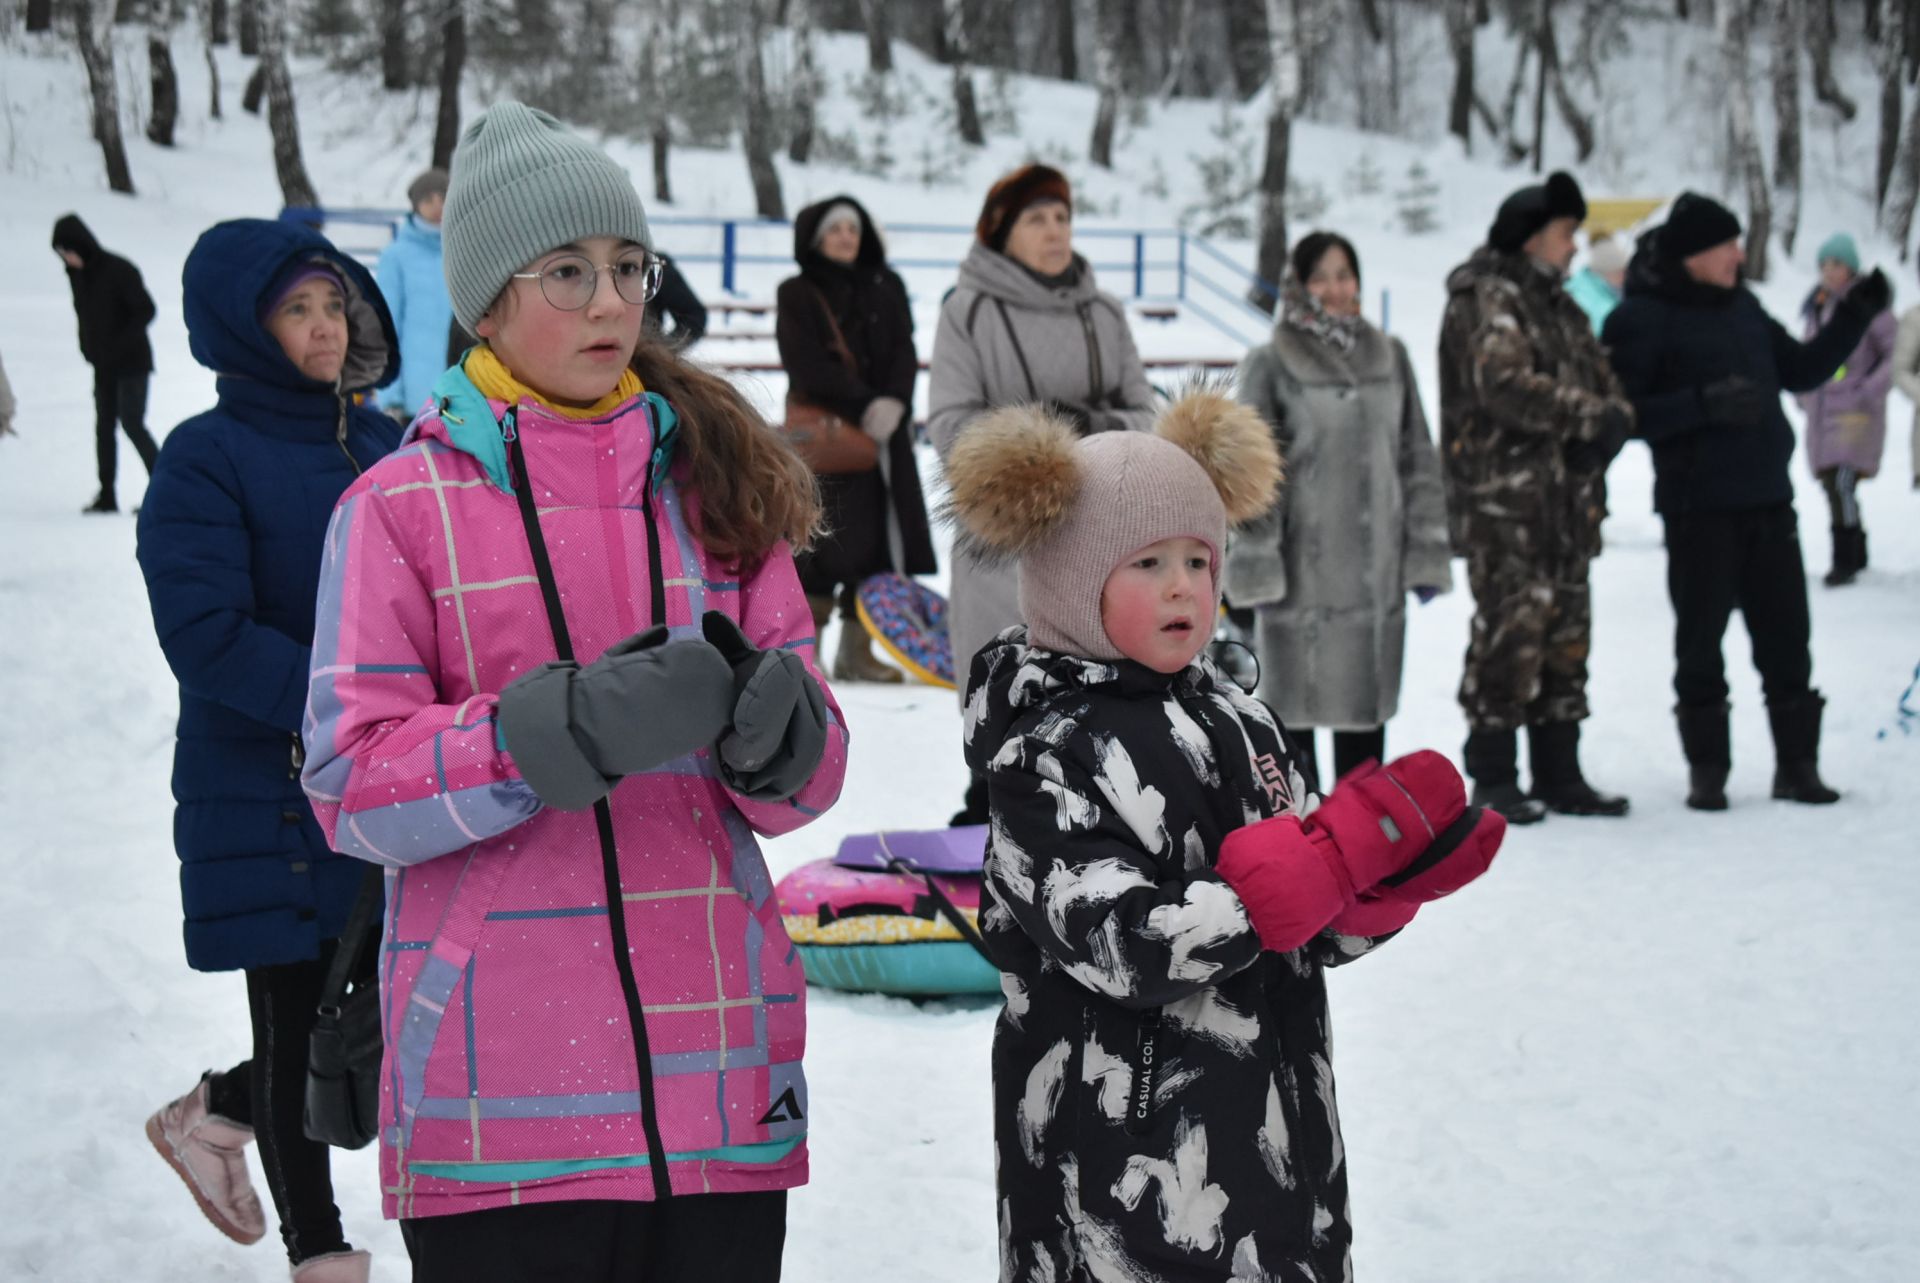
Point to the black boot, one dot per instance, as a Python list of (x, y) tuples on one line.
[(1849, 555), (1709, 749), (1493, 762), (1796, 748), (102, 502), (1557, 780)]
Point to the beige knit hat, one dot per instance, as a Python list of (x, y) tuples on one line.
[(1025, 485)]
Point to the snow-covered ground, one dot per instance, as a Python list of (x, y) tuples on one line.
[(1675, 1047)]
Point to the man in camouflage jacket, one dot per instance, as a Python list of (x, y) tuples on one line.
[(1531, 415)]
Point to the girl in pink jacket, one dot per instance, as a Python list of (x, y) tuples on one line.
[(563, 663)]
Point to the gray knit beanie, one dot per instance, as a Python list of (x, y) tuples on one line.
[(523, 184), (1024, 485), (1136, 489)]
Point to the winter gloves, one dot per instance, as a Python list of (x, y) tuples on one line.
[(1867, 299), (882, 418), (779, 716), (1733, 402), (576, 731), (1388, 839), (1614, 427)]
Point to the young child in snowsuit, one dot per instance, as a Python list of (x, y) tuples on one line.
[(563, 663), (1163, 893)]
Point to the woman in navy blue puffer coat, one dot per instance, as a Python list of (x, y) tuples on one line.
[(230, 541)]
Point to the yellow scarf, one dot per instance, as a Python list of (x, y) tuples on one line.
[(497, 382)]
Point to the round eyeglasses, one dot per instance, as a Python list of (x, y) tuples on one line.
[(568, 282)]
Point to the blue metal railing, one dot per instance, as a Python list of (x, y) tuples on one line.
[(1197, 275)]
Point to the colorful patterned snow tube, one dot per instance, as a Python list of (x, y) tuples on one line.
[(876, 932), (909, 620)]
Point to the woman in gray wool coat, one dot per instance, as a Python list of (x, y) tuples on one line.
[(1361, 523), (1025, 325)]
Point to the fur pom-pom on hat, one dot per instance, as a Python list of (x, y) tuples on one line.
[(1023, 484)]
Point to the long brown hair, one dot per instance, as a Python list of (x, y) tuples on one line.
[(754, 491)]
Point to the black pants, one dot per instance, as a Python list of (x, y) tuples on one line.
[(268, 1093), (120, 399), (1718, 562), (694, 1238), (1350, 749)]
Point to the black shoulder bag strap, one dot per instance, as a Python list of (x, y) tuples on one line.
[(351, 947), (602, 812), (1013, 337)]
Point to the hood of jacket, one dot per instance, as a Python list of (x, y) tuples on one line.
[(998, 276), (466, 420), (69, 233), (1011, 678), (225, 283), (806, 226), (1653, 273)]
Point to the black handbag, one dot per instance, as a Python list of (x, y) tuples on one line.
[(343, 1051)]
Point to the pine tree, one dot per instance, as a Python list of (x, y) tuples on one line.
[(1418, 202)]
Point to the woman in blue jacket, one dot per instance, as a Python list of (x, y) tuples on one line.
[(230, 542)]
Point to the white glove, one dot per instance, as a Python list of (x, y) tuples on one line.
[(882, 417)]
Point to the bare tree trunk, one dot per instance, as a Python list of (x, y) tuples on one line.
[(1370, 19), (1819, 29), (1579, 123), (250, 28), (395, 74), (1789, 27), (254, 93), (1285, 27), (213, 81), (1066, 35), (806, 81), (661, 53), (1510, 105), (1182, 54), (453, 64), (216, 22), (758, 131), (39, 15), (1106, 75), (161, 79), (296, 189), (105, 92), (1735, 35), (1247, 45), (1543, 24), (879, 35), (1460, 41), (966, 109), (1872, 11), (1889, 58)]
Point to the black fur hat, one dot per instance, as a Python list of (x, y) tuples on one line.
[(1532, 208)]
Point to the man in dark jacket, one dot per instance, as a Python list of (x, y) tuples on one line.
[(1530, 416), (1705, 366), (114, 310), (676, 302)]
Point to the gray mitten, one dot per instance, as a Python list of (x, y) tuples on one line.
[(882, 417), (576, 731), (779, 729)]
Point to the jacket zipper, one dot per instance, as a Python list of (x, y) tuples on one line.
[(340, 431), (1095, 375)]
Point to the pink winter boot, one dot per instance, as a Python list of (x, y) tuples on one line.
[(334, 1267), (207, 1151)]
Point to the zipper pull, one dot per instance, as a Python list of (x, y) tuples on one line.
[(510, 426)]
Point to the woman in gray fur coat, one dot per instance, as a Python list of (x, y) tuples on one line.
[(1362, 521), (1025, 325)]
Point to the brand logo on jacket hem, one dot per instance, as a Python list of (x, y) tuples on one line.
[(785, 1110)]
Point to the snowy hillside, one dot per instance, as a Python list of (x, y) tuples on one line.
[(1676, 1047)]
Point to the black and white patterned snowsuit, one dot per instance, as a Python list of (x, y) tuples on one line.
[(1163, 1093)]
